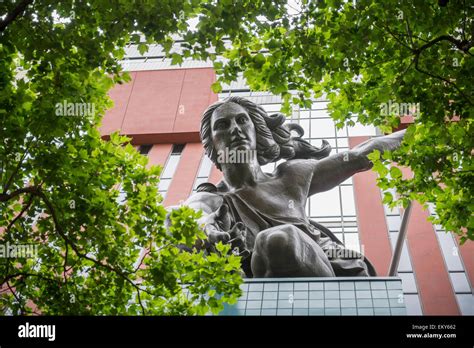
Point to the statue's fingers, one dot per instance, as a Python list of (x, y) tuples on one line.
[(216, 237), (237, 243), (237, 230), (240, 251)]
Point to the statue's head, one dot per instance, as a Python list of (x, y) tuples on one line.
[(239, 124)]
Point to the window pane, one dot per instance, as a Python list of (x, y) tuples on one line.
[(460, 282), (351, 241), (321, 128), (326, 203), (144, 149), (413, 305), (305, 125), (342, 142), (304, 114), (393, 223), (206, 165), (360, 129), (164, 184), (348, 205), (466, 303), (320, 105), (177, 149), (450, 251), (171, 166), (408, 282), (319, 114), (341, 149), (272, 108)]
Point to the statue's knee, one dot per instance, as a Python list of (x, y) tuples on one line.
[(278, 243)]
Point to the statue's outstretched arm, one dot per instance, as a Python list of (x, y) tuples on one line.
[(335, 169)]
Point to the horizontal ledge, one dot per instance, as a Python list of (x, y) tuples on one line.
[(319, 279), (161, 138)]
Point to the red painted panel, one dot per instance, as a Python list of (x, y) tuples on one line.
[(215, 176), (114, 117), (153, 103), (156, 105), (436, 293), (196, 95), (432, 278), (183, 180), (158, 154), (373, 231)]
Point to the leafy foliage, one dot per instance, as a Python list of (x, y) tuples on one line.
[(60, 181)]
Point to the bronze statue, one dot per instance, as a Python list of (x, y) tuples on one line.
[(263, 215)]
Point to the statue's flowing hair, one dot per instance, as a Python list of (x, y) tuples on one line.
[(274, 138)]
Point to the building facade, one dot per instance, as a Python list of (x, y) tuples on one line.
[(160, 109)]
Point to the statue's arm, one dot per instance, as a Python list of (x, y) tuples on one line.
[(214, 220), (335, 169), (205, 201)]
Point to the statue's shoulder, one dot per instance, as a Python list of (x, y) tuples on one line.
[(205, 196), (296, 166)]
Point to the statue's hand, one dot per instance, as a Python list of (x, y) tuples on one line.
[(216, 224), (217, 227), (238, 234)]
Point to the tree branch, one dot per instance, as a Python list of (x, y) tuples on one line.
[(463, 45), (410, 35), (25, 208), (24, 274), (36, 191), (396, 37), (416, 59), (16, 298), (6, 197), (10, 180), (65, 263), (60, 231), (17, 11)]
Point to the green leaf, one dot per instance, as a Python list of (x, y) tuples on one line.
[(395, 173), (142, 48), (216, 87), (176, 59), (387, 198)]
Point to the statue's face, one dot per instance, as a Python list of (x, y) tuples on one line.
[(232, 128)]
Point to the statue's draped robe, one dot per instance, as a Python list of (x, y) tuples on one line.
[(256, 220)]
